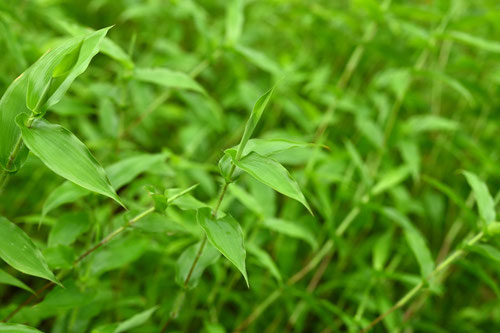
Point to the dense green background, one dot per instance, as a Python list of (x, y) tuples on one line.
[(402, 95)]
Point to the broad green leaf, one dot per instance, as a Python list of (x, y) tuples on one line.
[(62, 152), (136, 320), (484, 200), (17, 328), (292, 229), (12, 104), (208, 257), (6, 278), (234, 21), (167, 78), (265, 260), (253, 120), (390, 179), (484, 44), (246, 199), (226, 235), (17, 250), (271, 173)]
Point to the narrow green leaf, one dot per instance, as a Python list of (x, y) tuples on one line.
[(6, 278), (167, 78), (17, 328), (267, 147), (136, 320), (481, 43), (259, 59), (208, 257), (487, 251), (253, 120), (62, 152), (484, 200), (292, 229), (17, 250), (226, 235), (271, 173), (423, 123)]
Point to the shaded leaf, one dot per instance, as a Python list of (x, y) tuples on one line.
[(292, 229), (484, 200), (6, 278), (17, 328), (208, 257), (167, 78), (226, 235), (136, 320)]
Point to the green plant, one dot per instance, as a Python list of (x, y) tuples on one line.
[(192, 222)]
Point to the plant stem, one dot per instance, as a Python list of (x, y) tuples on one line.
[(410, 294)]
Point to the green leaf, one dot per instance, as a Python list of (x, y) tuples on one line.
[(136, 320), (487, 251), (51, 76), (208, 257), (253, 120), (423, 123), (265, 260), (484, 44), (68, 227), (167, 78), (484, 200), (259, 59), (271, 173), (267, 147), (17, 328), (226, 235), (390, 179), (292, 229), (234, 21), (17, 250), (62, 152), (65, 193), (12, 104), (6, 278)]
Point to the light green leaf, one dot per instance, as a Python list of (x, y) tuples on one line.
[(124, 171), (51, 76), (62, 152), (208, 257), (292, 229), (423, 123), (136, 320), (390, 179), (484, 44), (487, 251), (234, 21), (17, 250), (68, 227), (267, 147), (17, 328), (452, 83), (484, 200), (226, 235), (253, 120), (271, 173), (371, 131), (6, 278), (167, 78)]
